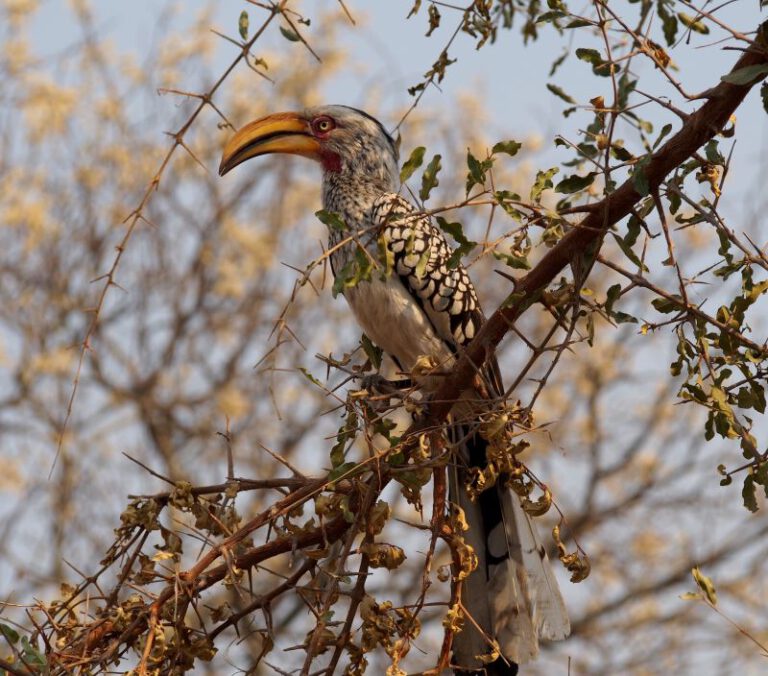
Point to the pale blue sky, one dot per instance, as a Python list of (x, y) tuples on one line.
[(508, 76)]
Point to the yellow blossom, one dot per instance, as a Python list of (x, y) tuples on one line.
[(231, 402), (47, 107), (18, 9), (54, 362)]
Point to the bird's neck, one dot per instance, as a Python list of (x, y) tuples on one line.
[(351, 196), (352, 186)]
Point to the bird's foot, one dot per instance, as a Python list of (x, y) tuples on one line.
[(377, 384), (381, 390)]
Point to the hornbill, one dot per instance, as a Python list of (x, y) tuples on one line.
[(424, 308)]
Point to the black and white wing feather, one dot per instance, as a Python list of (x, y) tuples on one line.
[(421, 261)]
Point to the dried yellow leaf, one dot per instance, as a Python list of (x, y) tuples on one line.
[(383, 555)]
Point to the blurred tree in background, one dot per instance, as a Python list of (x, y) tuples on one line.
[(190, 312)]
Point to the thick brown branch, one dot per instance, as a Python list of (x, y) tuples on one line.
[(700, 127)]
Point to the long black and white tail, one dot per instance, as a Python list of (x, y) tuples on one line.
[(513, 595)]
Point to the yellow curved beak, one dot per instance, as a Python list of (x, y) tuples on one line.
[(278, 133)]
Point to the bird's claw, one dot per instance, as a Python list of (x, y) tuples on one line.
[(381, 390), (379, 385)]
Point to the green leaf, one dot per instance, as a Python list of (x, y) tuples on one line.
[(412, 163), (477, 170), (749, 451), (557, 91), (589, 55), (761, 477), (341, 470), (579, 23), (9, 633), (386, 257), (559, 62), (599, 67), (310, 377), (429, 178), (543, 182), (347, 432), (289, 34), (764, 96), (669, 24), (506, 195), (612, 295), (746, 75), (508, 147), (373, 352), (591, 329), (627, 250), (242, 25), (744, 398), (575, 183), (587, 150), (421, 266), (504, 198), (620, 152), (456, 231), (758, 397), (756, 291), (31, 654), (357, 270), (675, 201), (640, 178), (417, 88), (748, 493), (626, 87), (331, 219), (623, 317), (665, 305), (664, 131), (364, 265), (512, 260), (692, 392), (550, 17), (553, 230), (693, 24)]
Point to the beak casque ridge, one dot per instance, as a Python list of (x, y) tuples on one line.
[(277, 133)]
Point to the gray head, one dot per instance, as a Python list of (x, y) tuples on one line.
[(347, 142)]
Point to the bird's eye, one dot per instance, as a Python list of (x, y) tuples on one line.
[(323, 125)]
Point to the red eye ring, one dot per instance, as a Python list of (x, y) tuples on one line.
[(323, 124)]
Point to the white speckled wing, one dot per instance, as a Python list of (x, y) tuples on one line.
[(421, 253)]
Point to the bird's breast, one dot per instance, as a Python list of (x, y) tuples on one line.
[(388, 315)]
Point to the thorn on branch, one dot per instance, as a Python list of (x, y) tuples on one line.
[(243, 46), (193, 156), (665, 104), (346, 11)]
